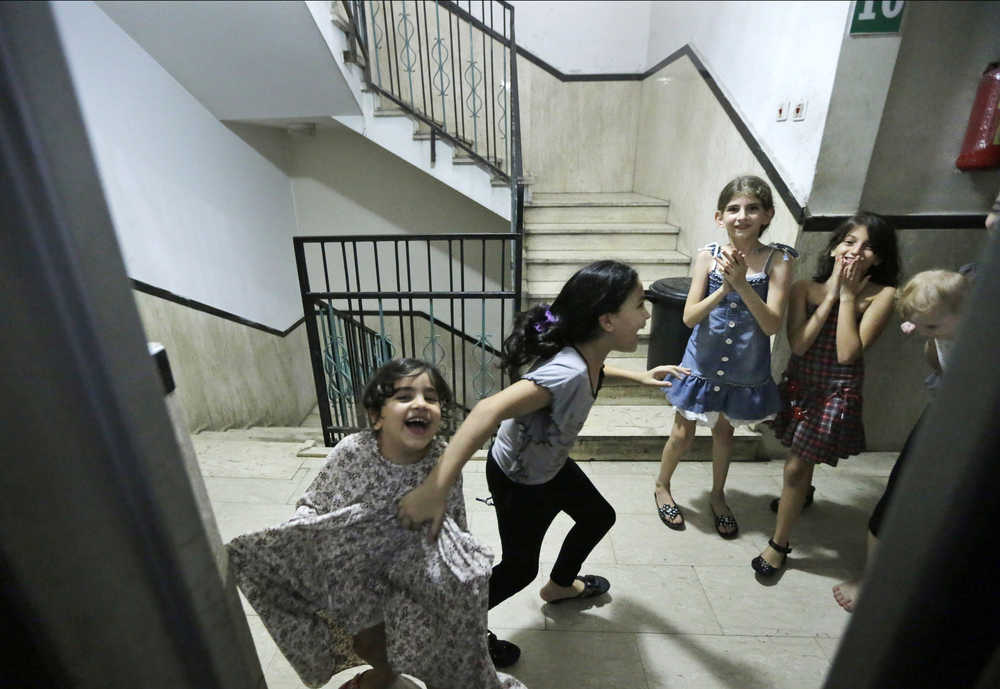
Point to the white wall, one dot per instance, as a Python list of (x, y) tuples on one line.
[(763, 53), (585, 37), (197, 211)]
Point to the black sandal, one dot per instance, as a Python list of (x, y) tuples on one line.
[(668, 512), (593, 585), (728, 521), (809, 500), (765, 568), (502, 653)]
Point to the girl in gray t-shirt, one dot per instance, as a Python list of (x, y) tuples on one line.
[(529, 471)]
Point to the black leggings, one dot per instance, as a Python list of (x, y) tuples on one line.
[(524, 514), (878, 514)]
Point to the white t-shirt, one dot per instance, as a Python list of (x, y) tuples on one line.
[(531, 449)]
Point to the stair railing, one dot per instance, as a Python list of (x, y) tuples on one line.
[(445, 298), (453, 67)]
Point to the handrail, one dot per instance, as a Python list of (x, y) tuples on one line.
[(446, 298)]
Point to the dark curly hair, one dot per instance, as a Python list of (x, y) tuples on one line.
[(881, 236), (382, 384), (541, 331)]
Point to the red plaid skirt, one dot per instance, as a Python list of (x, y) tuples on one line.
[(821, 403)]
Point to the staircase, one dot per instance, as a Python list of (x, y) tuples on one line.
[(563, 233)]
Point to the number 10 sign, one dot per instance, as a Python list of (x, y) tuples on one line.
[(876, 17)]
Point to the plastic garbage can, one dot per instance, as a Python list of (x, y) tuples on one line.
[(668, 335)]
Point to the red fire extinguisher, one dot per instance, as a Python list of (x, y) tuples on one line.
[(981, 147)]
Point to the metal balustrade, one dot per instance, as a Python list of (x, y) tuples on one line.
[(445, 298), (452, 66)]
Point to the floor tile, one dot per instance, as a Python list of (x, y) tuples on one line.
[(249, 490), (644, 540), (266, 648), (731, 662), (235, 519), (793, 603), (661, 599), (828, 646), (250, 459), (577, 660)]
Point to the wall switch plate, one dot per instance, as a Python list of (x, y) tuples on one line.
[(782, 111), (799, 110)]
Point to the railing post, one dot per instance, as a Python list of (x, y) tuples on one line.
[(312, 334)]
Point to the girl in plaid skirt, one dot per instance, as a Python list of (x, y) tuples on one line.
[(832, 319)]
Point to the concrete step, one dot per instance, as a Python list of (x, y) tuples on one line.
[(546, 208), (638, 433), (556, 266), (599, 237)]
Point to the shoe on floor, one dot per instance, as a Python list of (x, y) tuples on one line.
[(502, 653), (593, 585), (809, 500), (765, 568), (669, 512), (728, 521)]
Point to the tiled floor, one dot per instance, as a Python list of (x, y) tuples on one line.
[(685, 610)]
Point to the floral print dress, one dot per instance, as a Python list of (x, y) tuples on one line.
[(343, 563)]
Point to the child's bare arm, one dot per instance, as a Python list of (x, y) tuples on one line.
[(697, 309), (853, 337), (770, 314), (657, 377), (426, 502), (803, 329)]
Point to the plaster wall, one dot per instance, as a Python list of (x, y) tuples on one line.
[(864, 72), (683, 134), (230, 375), (585, 37), (763, 53), (197, 212), (894, 391), (945, 48), (577, 136)]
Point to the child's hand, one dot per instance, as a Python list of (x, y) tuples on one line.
[(733, 265), (851, 282), (658, 376), (422, 504)]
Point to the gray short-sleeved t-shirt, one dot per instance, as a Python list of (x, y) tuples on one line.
[(531, 449)]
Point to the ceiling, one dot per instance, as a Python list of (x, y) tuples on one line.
[(249, 61)]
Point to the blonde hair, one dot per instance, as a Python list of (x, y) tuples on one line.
[(930, 290)]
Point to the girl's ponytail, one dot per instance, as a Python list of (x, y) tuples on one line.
[(535, 334), (541, 331)]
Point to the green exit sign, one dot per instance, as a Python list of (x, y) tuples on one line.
[(877, 17)]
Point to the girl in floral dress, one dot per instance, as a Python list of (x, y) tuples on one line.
[(342, 583)]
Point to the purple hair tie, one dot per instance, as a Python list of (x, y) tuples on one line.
[(542, 327)]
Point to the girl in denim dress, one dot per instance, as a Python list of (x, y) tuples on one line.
[(736, 302)]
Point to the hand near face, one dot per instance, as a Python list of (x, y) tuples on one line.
[(852, 282)]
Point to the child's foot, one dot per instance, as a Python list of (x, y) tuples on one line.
[(846, 593), (725, 522), (587, 586), (670, 513)]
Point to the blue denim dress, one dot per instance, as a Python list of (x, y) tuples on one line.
[(729, 357)]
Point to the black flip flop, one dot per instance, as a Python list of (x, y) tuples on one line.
[(593, 586), (727, 520), (668, 512)]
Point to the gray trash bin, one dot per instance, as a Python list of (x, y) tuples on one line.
[(668, 334)]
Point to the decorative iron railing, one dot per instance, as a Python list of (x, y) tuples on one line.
[(444, 298), (453, 67)]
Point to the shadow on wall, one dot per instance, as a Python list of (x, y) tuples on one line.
[(344, 184)]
